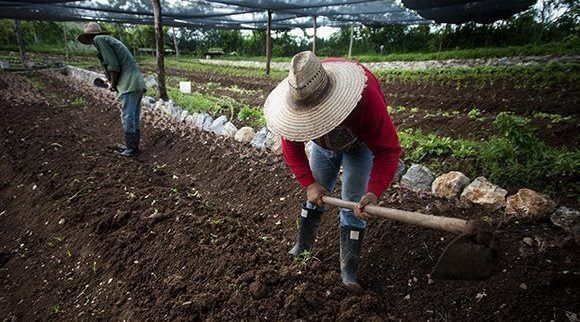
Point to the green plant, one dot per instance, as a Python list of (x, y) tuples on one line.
[(79, 101), (55, 309), (475, 114), (254, 116), (304, 258)]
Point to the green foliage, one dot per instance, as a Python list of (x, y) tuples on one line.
[(515, 156), (254, 116), (194, 102), (554, 118), (475, 114)]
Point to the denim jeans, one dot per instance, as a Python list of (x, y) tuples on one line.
[(131, 112), (356, 166)]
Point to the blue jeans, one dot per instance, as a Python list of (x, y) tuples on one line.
[(131, 112), (356, 165)]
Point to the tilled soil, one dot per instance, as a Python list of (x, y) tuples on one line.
[(429, 105), (197, 228)]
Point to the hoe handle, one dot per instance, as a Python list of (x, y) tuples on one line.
[(453, 225)]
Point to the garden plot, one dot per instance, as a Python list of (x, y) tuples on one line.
[(476, 120), (198, 227)]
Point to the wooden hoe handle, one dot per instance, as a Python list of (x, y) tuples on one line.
[(453, 225)]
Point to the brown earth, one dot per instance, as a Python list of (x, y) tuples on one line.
[(432, 100), (197, 228)]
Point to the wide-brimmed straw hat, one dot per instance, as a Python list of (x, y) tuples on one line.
[(315, 97), (91, 29)]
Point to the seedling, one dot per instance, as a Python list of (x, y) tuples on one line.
[(55, 309), (94, 267), (304, 258)]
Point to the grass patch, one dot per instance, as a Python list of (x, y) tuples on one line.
[(514, 157), (540, 75)]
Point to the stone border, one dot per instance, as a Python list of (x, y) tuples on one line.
[(526, 204)]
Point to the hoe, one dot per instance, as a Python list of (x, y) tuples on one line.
[(470, 256)]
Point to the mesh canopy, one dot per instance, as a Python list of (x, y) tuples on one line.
[(252, 14)]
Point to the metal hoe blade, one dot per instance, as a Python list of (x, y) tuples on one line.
[(468, 257)]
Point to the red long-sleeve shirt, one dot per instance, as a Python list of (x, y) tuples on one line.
[(371, 123)]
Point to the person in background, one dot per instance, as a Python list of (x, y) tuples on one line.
[(339, 105), (124, 77)]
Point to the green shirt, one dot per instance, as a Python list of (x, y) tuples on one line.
[(115, 56)]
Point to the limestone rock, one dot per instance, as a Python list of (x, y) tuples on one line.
[(148, 101), (217, 126), (529, 204), (417, 178), (485, 193), (450, 184), (189, 120), (207, 122), (229, 130), (569, 220), (184, 114), (245, 134), (273, 143), (260, 139), (200, 120), (401, 168)]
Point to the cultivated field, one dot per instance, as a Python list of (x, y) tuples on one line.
[(198, 227)]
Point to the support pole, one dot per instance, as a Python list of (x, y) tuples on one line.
[(20, 38), (65, 31), (160, 50), (351, 39), (314, 38), (268, 51), (175, 43)]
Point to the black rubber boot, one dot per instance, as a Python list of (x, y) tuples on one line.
[(132, 143), (350, 246), (309, 221)]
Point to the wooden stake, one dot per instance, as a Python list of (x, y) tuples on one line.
[(160, 50), (314, 38), (351, 39), (20, 38), (175, 43), (268, 51)]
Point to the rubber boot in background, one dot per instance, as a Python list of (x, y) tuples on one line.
[(350, 246), (132, 143), (308, 223)]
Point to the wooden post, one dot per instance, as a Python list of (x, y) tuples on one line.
[(351, 38), (20, 38), (314, 38), (175, 43), (160, 50), (64, 29), (268, 51)]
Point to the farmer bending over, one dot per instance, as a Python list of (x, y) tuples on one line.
[(338, 105), (125, 79)]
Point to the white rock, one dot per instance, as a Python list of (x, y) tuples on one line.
[(259, 141), (450, 184), (529, 204), (190, 120), (217, 126), (229, 130), (567, 219), (485, 193), (417, 178), (273, 143), (184, 114), (207, 122), (245, 134), (200, 120)]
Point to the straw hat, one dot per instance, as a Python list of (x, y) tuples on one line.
[(315, 97), (91, 29)]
